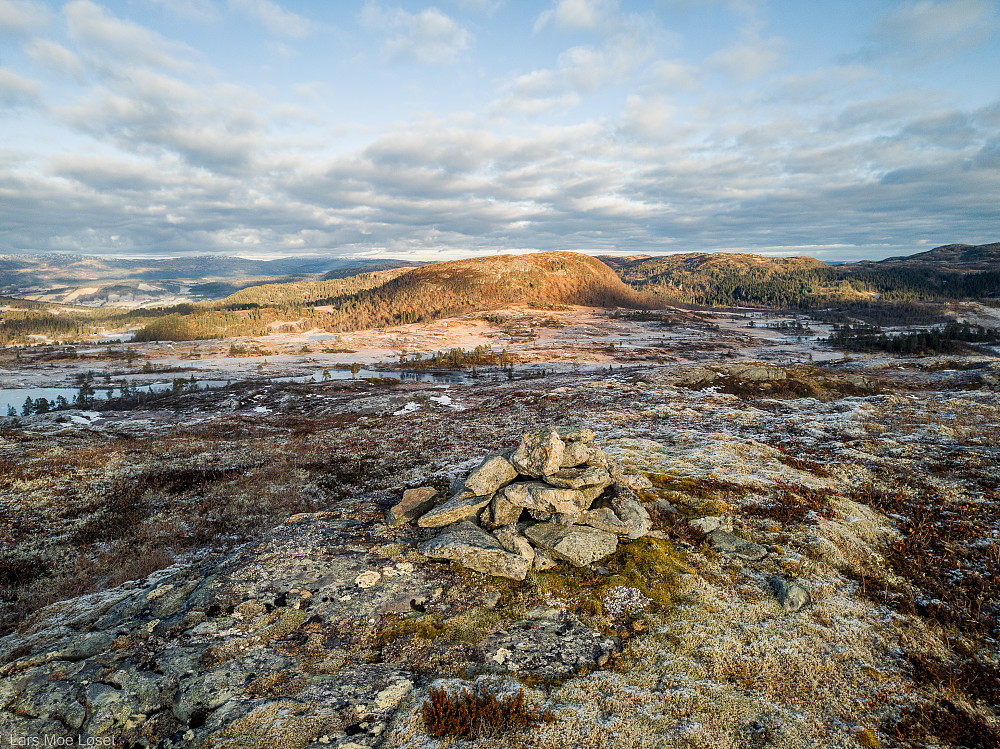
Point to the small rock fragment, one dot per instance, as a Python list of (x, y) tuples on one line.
[(367, 579), (511, 539), (415, 503), (730, 544)]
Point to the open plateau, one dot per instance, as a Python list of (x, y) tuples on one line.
[(541, 500)]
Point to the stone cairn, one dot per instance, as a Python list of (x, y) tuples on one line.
[(553, 498)]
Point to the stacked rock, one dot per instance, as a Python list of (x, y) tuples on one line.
[(553, 498)]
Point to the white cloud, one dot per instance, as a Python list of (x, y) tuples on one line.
[(16, 90), (429, 37), (578, 14), (750, 58), (275, 19), (92, 28), (55, 57), (21, 16), (202, 11)]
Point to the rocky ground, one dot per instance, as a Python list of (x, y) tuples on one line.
[(213, 569)]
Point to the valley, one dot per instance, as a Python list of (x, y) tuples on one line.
[(203, 559)]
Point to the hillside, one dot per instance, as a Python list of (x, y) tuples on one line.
[(145, 282), (948, 272), (400, 296)]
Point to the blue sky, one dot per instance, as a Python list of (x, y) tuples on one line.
[(842, 130)]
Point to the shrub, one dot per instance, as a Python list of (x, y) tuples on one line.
[(475, 712)]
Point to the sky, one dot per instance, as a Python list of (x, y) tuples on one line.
[(388, 128)]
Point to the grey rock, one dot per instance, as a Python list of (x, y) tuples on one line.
[(551, 645), (711, 523), (512, 540), (581, 479), (576, 434), (472, 547), (598, 458), (464, 506), (495, 471), (578, 545), (538, 496), (626, 518), (542, 561), (415, 503), (501, 511), (576, 453), (540, 453), (792, 597), (736, 546)]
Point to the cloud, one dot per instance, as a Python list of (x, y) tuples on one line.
[(55, 57), (750, 58), (275, 19), (429, 37), (21, 16), (214, 126), (16, 90), (93, 29), (202, 11), (578, 14), (924, 31)]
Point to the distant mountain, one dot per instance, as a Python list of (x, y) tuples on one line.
[(118, 282), (400, 296), (949, 272), (954, 257)]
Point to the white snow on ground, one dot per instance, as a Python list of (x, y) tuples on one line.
[(408, 408)]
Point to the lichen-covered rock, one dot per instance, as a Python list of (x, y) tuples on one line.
[(415, 503), (500, 512), (511, 539), (494, 472), (581, 479), (538, 497), (539, 454), (710, 523), (576, 434), (551, 644), (792, 597), (728, 543), (626, 518), (472, 547), (464, 506), (577, 544)]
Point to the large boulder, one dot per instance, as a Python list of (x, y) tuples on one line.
[(495, 471), (464, 506), (539, 454), (542, 500), (415, 503), (577, 544), (472, 547)]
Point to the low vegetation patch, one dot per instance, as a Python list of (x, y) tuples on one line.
[(471, 713)]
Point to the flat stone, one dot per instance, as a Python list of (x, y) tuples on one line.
[(577, 544), (540, 453), (792, 597), (538, 496), (415, 503), (472, 547), (576, 434), (495, 471), (727, 543), (626, 518), (464, 506), (580, 479), (501, 511), (710, 523), (512, 540)]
